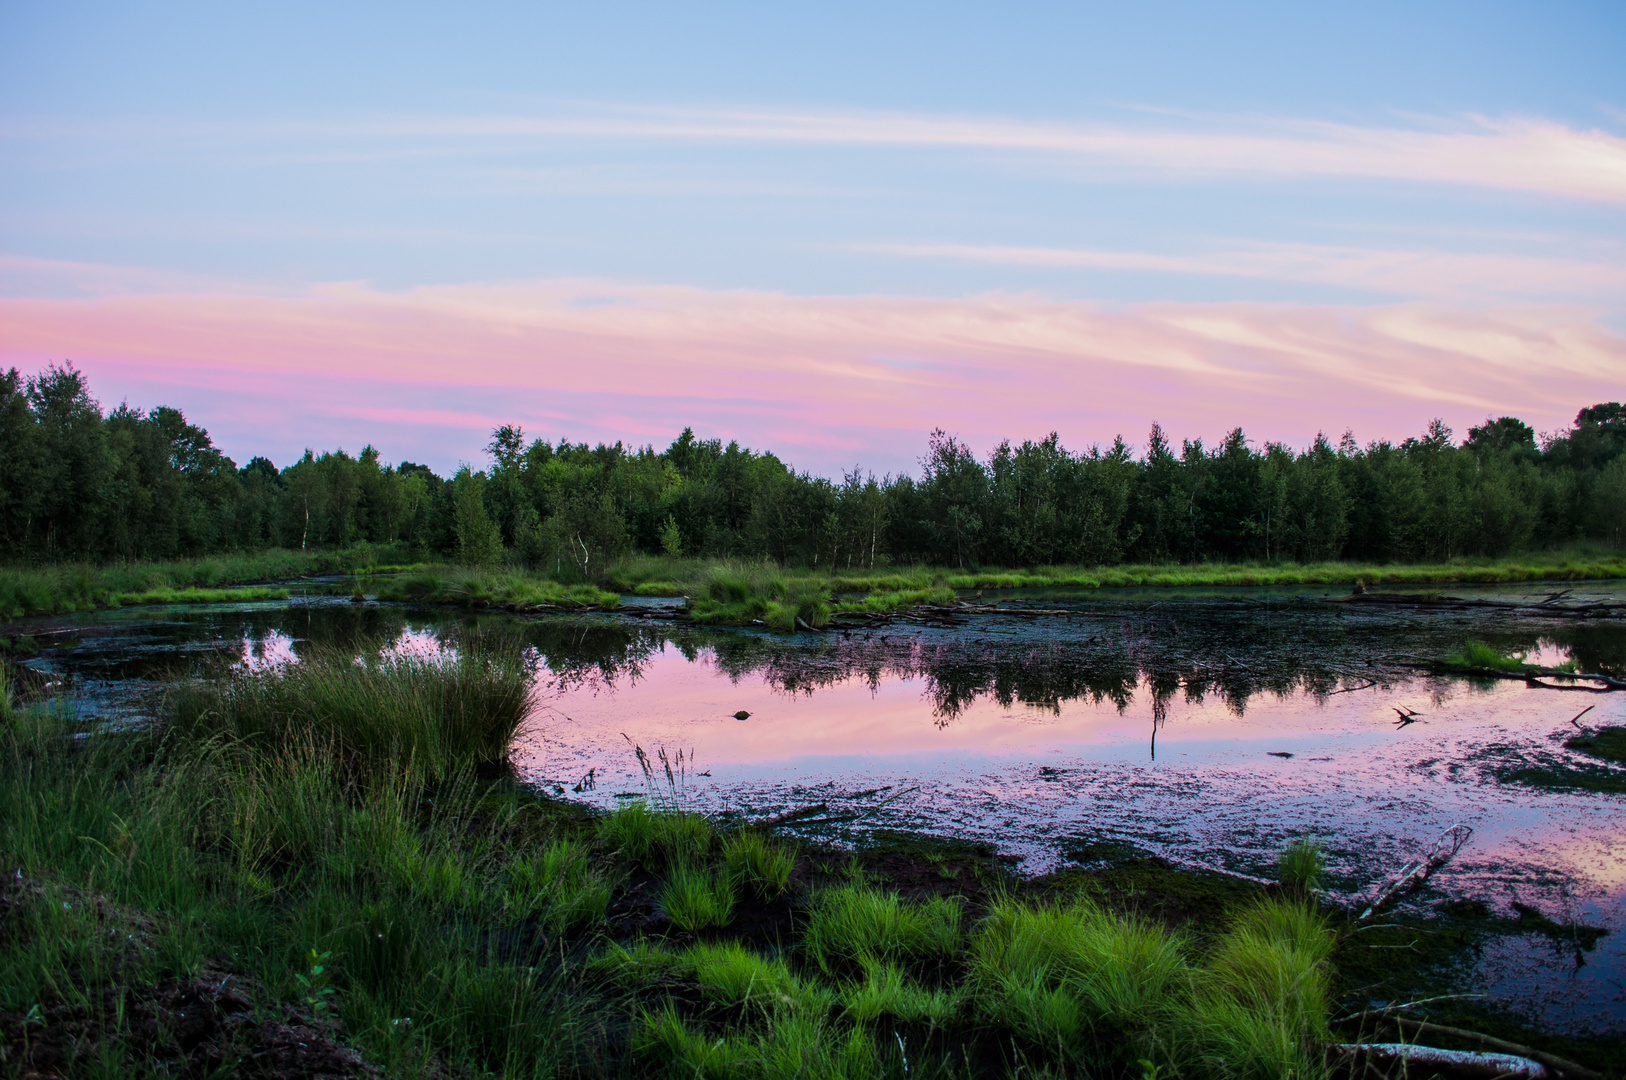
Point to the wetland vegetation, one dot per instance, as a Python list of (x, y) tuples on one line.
[(327, 867)]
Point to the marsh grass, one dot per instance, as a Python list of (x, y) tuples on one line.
[(559, 884), (1300, 865), (1052, 973), (137, 858), (794, 1046), (1477, 654), (460, 924), (1263, 997), (428, 717), (512, 590), (650, 575), (738, 595), (695, 897), (848, 924), (886, 990), (734, 975), (754, 863), (69, 587)]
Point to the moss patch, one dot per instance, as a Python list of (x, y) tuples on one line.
[(1607, 743)]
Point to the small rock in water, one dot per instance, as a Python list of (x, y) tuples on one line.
[(742, 715), (1278, 753)]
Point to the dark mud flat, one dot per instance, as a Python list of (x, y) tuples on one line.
[(1185, 736)]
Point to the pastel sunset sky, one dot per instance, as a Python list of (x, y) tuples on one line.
[(821, 229)]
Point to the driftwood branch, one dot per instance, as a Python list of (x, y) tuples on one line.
[(792, 815), (1560, 1066), (1414, 874)]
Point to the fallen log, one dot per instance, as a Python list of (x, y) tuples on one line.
[(1398, 1059), (1561, 1067)]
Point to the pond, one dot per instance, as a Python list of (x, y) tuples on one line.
[(1207, 727)]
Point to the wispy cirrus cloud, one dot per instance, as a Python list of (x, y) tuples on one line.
[(1415, 273), (825, 379), (1519, 153)]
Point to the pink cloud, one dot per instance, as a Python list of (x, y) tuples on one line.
[(1433, 275), (826, 381)]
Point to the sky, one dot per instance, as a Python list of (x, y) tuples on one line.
[(821, 229)]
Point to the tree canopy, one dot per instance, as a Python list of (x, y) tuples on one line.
[(80, 483)]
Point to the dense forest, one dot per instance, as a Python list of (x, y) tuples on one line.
[(80, 483)]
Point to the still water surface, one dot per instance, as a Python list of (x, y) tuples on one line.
[(1206, 727)]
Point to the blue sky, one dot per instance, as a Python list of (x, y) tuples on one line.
[(1343, 169)]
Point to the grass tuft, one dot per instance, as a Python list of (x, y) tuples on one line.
[(1300, 865), (695, 898), (1477, 654), (853, 923), (752, 861)]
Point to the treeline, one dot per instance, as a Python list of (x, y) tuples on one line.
[(78, 483)]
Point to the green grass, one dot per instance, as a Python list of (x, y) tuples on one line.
[(319, 834), (1300, 865), (1263, 999), (429, 718), (558, 885), (758, 865), (1053, 973), (1477, 654), (737, 596), (510, 590), (696, 898), (887, 990), (136, 859), (848, 924), (733, 975), (658, 576), (52, 590)]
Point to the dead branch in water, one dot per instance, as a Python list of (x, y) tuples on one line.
[(1552, 1062), (791, 815), (1414, 874)]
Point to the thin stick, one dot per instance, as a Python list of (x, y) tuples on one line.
[(1580, 714)]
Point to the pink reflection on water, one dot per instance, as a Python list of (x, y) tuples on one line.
[(675, 702), (274, 650)]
